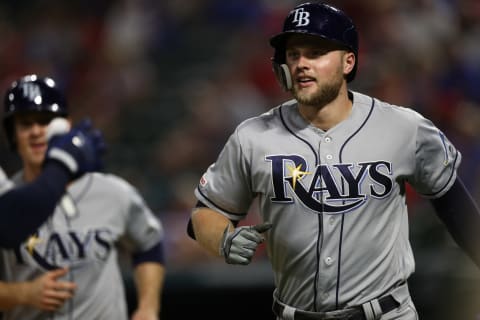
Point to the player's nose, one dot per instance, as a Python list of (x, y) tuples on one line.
[(37, 129)]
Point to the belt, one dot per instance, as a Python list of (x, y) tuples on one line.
[(386, 303)]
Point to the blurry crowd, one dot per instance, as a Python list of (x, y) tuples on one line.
[(167, 81)]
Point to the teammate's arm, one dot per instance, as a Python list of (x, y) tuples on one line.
[(70, 155), (24, 209), (149, 275), (46, 292), (149, 280), (461, 215)]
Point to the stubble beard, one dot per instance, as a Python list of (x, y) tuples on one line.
[(322, 96)]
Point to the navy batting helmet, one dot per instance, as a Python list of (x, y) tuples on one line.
[(32, 94), (317, 19)]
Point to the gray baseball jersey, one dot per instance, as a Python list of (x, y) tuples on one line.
[(98, 211), (5, 183), (336, 198)]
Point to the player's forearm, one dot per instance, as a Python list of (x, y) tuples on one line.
[(13, 295), (209, 227), (461, 215), (149, 281), (31, 205)]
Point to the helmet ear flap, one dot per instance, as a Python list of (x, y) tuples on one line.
[(282, 73)]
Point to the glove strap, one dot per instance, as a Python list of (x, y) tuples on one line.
[(223, 249), (65, 158)]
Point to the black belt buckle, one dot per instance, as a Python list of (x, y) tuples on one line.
[(388, 303)]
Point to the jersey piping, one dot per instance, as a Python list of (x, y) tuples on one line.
[(218, 207), (295, 135), (343, 214), (319, 244), (432, 195)]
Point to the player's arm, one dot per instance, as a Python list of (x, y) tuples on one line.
[(220, 236), (145, 232), (45, 292), (149, 276), (461, 215), (24, 209), (13, 294), (208, 227)]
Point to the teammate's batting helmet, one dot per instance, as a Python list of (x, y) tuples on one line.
[(317, 19), (32, 94)]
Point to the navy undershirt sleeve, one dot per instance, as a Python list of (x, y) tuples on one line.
[(25, 208), (154, 254), (461, 215), (190, 231)]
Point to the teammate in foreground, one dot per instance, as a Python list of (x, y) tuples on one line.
[(68, 269), (330, 171), (25, 208)]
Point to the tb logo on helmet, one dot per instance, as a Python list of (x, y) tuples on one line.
[(301, 17), (31, 91)]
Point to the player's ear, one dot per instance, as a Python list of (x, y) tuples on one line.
[(348, 62)]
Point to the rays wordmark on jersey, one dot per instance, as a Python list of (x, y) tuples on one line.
[(333, 188), (55, 250)]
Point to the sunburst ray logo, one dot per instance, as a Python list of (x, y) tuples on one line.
[(296, 173), (32, 241)]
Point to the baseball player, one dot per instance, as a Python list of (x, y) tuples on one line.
[(68, 269), (329, 169), (24, 209)]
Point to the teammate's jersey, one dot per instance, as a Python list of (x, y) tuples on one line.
[(336, 198), (98, 211)]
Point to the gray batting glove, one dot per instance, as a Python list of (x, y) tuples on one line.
[(239, 246)]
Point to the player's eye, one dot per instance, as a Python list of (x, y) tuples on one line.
[(292, 55), (44, 120), (317, 52), (24, 122)]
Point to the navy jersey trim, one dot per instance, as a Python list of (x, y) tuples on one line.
[(282, 119), (339, 262), (320, 216), (85, 189), (448, 181), (218, 207)]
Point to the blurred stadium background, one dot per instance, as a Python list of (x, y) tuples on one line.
[(167, 81)]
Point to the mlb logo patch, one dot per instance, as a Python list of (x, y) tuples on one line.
[(203, 181)]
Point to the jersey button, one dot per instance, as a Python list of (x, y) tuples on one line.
[(331, 221), (329, 157), (328, 139), (328, 261)]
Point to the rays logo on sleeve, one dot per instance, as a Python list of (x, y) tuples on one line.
[(448, 149), (336, 188)]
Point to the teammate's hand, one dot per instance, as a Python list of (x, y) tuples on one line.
[(79, 150), (142, 314), (48, 293), (239, 246)]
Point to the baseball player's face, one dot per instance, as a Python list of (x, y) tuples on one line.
[(30, 135), (317, 67)]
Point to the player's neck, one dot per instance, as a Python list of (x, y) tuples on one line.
[(329, 115)]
